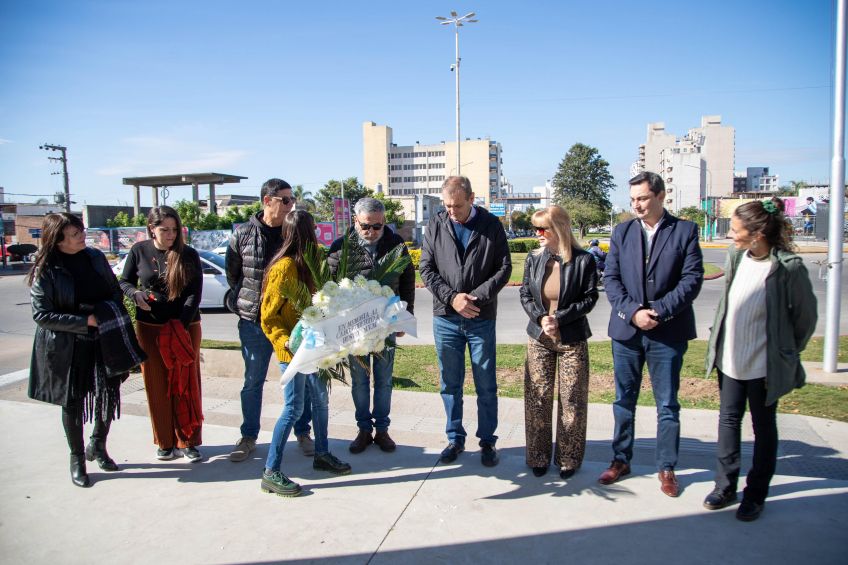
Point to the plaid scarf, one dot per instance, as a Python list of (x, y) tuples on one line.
[(179, 358), (118, 344)]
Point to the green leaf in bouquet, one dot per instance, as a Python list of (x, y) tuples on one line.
[(317, 264), (353, 258), (296, 337), (390, 266), (297, 293)]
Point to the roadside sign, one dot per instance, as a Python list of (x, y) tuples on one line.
[(325, 232), (498, 208), (35, 231)]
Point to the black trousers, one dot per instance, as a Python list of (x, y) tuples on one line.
[(734, 395), (72, 421)]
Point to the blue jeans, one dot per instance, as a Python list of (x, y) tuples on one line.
[(296, 392), (664, 358), (256, 350), (361, 391), (452, 333)]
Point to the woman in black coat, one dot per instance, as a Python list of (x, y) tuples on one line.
[(559, 289), (66, 281)]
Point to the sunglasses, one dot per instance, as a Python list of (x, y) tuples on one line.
[(540, 231), (284, 199), (375, 227)]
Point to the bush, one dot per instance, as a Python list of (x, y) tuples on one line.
[(523, 245), (415, 254)]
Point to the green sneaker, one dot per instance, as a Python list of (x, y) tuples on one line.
[(331, 463), (279, 484)]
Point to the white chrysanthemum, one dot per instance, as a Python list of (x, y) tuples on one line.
[(320, 299), (330, 288), (311, 315), (345, 284), (360, 348), (387, 292), (360, 281), (374, 288), (326, 363)]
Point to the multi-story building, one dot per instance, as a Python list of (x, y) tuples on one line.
[(695, 166), (405, 170), (756, 179)]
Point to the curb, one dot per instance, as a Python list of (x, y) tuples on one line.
[(714, 277)]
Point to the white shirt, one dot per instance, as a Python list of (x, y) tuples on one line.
[(742, 352), (650, 232)]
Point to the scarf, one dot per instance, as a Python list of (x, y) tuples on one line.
[(179, 358), (97, 395), (120, 351)]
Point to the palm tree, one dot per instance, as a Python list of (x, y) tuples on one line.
[(304, 198)]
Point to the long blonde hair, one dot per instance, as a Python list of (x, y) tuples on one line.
[(559, 221)]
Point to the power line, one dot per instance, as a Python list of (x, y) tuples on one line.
[(584, 98)]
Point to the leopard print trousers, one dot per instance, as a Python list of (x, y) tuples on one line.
[(541, 374)]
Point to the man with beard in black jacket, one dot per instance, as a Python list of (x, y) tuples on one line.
[(252, 246), (377, 239), (465, 262)]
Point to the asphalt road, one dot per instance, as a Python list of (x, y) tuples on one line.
[(17, 327)]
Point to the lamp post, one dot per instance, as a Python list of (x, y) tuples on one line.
[(709, 235), (455, 67)]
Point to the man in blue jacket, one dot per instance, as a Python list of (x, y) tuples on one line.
[(653, 274)]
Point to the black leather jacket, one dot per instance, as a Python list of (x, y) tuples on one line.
[(578, 293), (248, 254), (59, 320)]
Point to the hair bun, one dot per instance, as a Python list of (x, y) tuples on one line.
[(781, 205)]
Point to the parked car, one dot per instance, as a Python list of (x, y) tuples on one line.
[(221, 249), (216, 291)]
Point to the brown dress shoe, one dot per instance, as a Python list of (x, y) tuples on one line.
[(616, 470), (386, 443), (363, 440), (669, 483)]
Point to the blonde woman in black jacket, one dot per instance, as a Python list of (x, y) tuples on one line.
[(560, 288)]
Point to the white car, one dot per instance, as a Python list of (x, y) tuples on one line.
[(216, 291)]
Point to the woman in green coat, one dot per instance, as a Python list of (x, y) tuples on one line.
[(764, 319)]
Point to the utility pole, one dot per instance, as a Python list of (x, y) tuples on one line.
[(457, 21), (837, 197), (64, 160)]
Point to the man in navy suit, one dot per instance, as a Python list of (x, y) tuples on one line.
[(654, 272)]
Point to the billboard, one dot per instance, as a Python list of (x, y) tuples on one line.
[(207, 240), (325, 232), (498, 208), (99, 239), (341, 213), (124, 238)]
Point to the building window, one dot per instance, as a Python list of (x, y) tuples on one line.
[(435, 153), (436, 165), (395, 155), (395, 179), (436, 178)]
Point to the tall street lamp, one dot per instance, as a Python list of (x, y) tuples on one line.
[(455, 67)]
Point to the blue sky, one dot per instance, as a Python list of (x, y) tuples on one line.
[(280, 89)]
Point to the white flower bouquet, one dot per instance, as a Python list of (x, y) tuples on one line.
[(351, 315)]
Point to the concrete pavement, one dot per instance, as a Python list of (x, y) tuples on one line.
[(403, 507)]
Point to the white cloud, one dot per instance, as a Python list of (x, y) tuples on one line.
[(5, 141), (149, 156)]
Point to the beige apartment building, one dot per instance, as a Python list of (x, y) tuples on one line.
[(406, 170), (695, 166)]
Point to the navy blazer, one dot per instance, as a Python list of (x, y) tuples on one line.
[(668, 284)]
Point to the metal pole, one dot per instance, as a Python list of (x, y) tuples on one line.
[(456, 25), (67, 186), (837, 197)]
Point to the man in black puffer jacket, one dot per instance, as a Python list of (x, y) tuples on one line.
[(252, 247), (378, 240)]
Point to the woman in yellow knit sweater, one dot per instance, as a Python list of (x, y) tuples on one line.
[(278, 320)]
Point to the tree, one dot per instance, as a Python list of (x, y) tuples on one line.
[(584, 213), (693, 214), (353, 191), (190, 214), (304, 198), (394, 210), (787, 191), (121, 220), (582, 186), (625, 217)]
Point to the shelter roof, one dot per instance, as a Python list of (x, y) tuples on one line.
[(183, 179)]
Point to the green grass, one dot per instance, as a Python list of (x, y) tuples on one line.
[(710, 269), (517, 268), (417, 369)]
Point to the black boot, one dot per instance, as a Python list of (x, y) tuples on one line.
[(78, 474), (96, 449)]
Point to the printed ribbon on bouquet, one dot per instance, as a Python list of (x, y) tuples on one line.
[(334, 334)]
